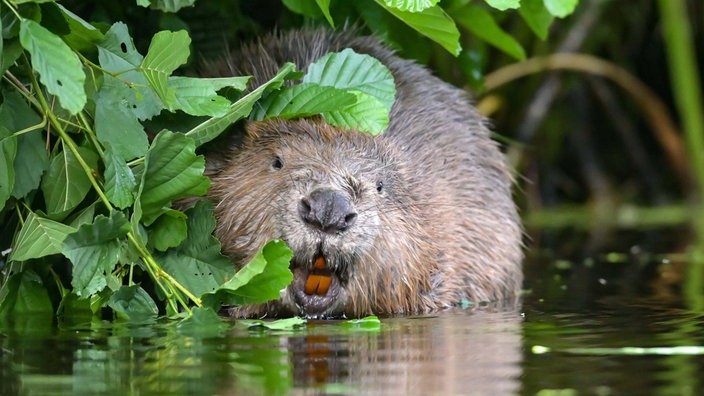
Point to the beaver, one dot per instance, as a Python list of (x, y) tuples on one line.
[(411, 221)]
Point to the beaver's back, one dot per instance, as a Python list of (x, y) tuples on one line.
[(453, 170)]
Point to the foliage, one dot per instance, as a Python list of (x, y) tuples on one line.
[(91, 159)]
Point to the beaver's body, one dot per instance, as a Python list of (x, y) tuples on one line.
[(414, 220)]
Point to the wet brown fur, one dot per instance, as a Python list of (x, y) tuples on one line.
[(444, 229)]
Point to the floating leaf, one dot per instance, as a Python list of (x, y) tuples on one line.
[(93, 249), (59, 68), (39, 237), (280, 324)]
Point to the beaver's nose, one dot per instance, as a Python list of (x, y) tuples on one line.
[(327, 210)]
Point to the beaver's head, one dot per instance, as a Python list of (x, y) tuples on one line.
[(342, 202)]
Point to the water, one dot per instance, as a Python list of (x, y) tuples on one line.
[(582, 329)]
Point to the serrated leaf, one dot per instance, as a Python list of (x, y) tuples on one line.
[(261, 280), (433, 23), (8, 151), (197, 263), (133, 303), (169, 230), (504, 5), (198, 96), (167, 51), (117, 54), (116, 123), (211, 128), (480, 22), (66, 184), (537, 17), (24, 293), (302, 100), (172, 171), (410, 5), (93, 250), (39, 237), (349, 70), (367, 114), (561, 8), (59, 68), (120, 182)]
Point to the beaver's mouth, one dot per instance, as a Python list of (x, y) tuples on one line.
[(315, 286)]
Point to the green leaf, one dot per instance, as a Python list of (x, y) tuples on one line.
[(133, 303), (166, 5), (119, 181), (352, 71), (116, 123), (367, 114), (198, 96), (325, 8), (211, 128), (280, 324), (536, 17), (11, 52), (169, 230), (203, 322), (433, 23), (31, 159), (8, 151), (24, 293), (308, 8), (117, 54), (167, 51), (197, 263), (261, 280), (504, 5), (39, 237), (59, 68), (480, 22), (303, 100), (410, 5), (31, 162), (66, 184), (93, 249), (83, 36), (172, 171), (561, 8), (367, 323)]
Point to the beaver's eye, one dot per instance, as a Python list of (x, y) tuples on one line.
[(379, 186), (278, 163)]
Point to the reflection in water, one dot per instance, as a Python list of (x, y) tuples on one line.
[(455, 352)]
